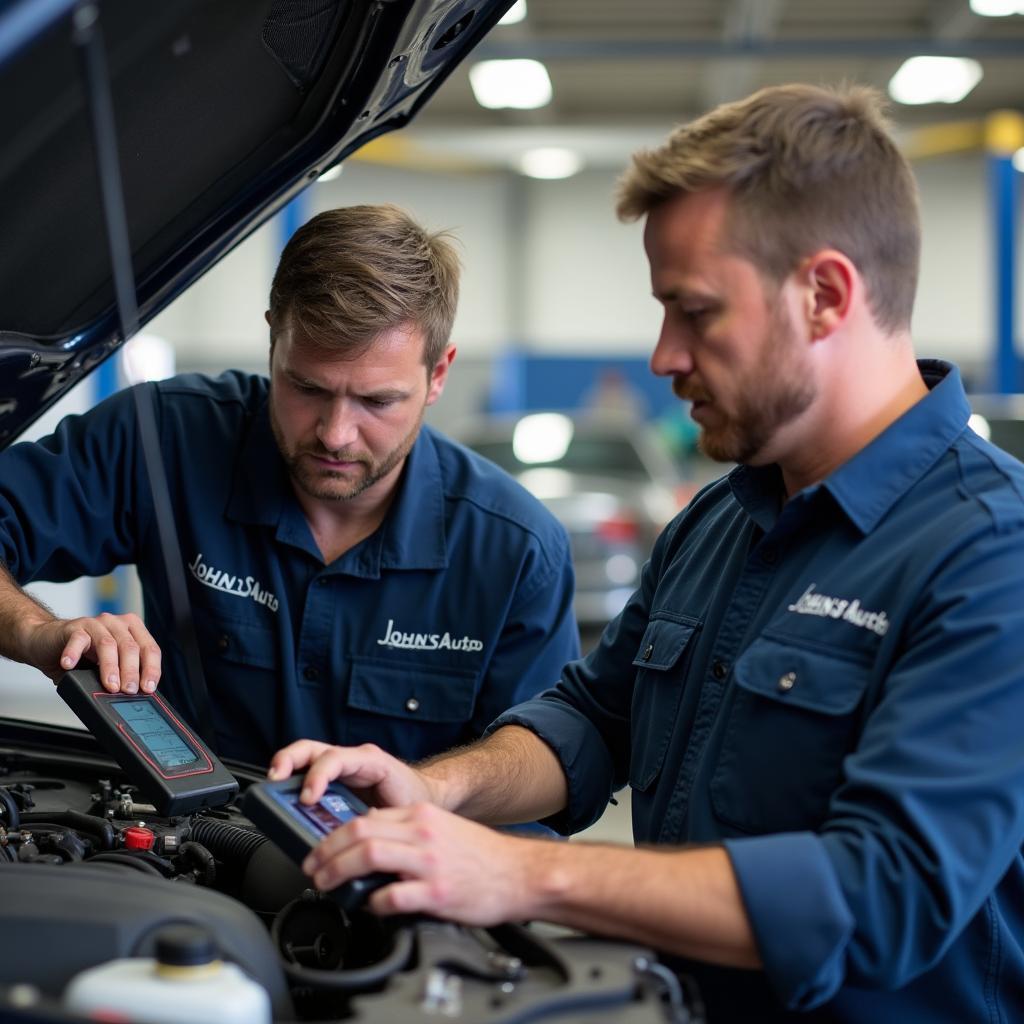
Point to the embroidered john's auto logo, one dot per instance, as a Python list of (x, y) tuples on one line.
[(236, 586), (813, 603), (427, 641)]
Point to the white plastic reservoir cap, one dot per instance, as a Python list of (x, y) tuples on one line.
[(184, 982)]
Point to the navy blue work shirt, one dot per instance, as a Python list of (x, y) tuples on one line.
[(457, 607), (833, 688)]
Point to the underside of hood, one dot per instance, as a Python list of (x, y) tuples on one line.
[(155, 137)]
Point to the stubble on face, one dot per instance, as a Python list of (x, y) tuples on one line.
[(777, 389), (325, 484)]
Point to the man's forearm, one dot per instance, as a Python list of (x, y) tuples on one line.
[(685, 902), (511, 776), (18, 612)]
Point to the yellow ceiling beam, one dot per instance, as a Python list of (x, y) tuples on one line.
[(395, 150), (942, 139), (1004, 132)]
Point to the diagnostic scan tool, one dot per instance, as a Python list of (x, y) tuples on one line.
[(297, 827), (172, 767)]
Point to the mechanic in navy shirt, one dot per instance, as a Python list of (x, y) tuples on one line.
[(817, 692), (353, 574)]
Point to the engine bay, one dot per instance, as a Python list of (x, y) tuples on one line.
[(90, 874)]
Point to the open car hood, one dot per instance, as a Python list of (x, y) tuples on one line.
[(153, 138)]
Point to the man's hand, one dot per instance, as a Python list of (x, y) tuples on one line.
[(684, 901), (449, 867), (378, 778), (126, 656)]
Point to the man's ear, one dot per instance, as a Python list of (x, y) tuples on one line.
[(270, 353), (439, 375), (831, 282)]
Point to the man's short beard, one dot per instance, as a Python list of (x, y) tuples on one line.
[(318, 485), (781, 390)]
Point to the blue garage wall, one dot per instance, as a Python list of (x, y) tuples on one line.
[(526, 382)]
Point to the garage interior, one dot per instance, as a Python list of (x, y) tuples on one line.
[(554, 287)]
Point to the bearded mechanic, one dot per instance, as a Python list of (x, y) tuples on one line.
[(816, 692), (354, 575)]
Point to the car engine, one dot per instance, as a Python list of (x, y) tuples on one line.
[(90, 874)]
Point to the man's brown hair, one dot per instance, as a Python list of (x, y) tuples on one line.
[(348, 274), (807, 168)]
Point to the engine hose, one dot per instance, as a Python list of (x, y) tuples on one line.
[(529, 947), (227, 841), (99, 829), (359, 978), (197, 854), (10, 809)]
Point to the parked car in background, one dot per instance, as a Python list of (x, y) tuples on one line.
[(1000, 419), (609, 480)]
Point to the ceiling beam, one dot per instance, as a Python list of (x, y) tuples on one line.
[(745, 23), (953, 19), (750, 19), (568, 48)]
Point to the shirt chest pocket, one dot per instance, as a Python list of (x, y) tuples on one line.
[(242, 666), (793, 718), (243, 644), (660, 661), (411, 711)]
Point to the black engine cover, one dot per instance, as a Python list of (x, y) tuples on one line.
[(59, 920)]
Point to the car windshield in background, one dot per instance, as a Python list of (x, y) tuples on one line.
[(1000, 419), (591, 455), (1008, 434), (611, 483)]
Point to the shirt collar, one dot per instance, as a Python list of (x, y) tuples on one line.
[(261, 483), (414, 530), (412, 535), (760, 492), (872, 481), (867, 485)]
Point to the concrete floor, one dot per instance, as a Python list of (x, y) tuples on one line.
[(614, 826)]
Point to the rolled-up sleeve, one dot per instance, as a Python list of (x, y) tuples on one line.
[(585, 717), (584, 758), (789, 878)]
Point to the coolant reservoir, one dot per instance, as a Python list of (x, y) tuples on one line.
[(184, 982)]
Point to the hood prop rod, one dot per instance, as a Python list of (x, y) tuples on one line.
[(88, 39)]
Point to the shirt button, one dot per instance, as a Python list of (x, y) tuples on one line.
[(648, 651), (322, 581), (310, 673), (224, 642), (770, 554), (412, 704), (719, 670), (787, 682)]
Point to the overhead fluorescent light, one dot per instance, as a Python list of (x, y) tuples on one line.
[(541, 437), (520, 84), (550, 162), (146, 357), (515, 14), (980, 426), (934, 80), (331, 173), (997, 8)]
